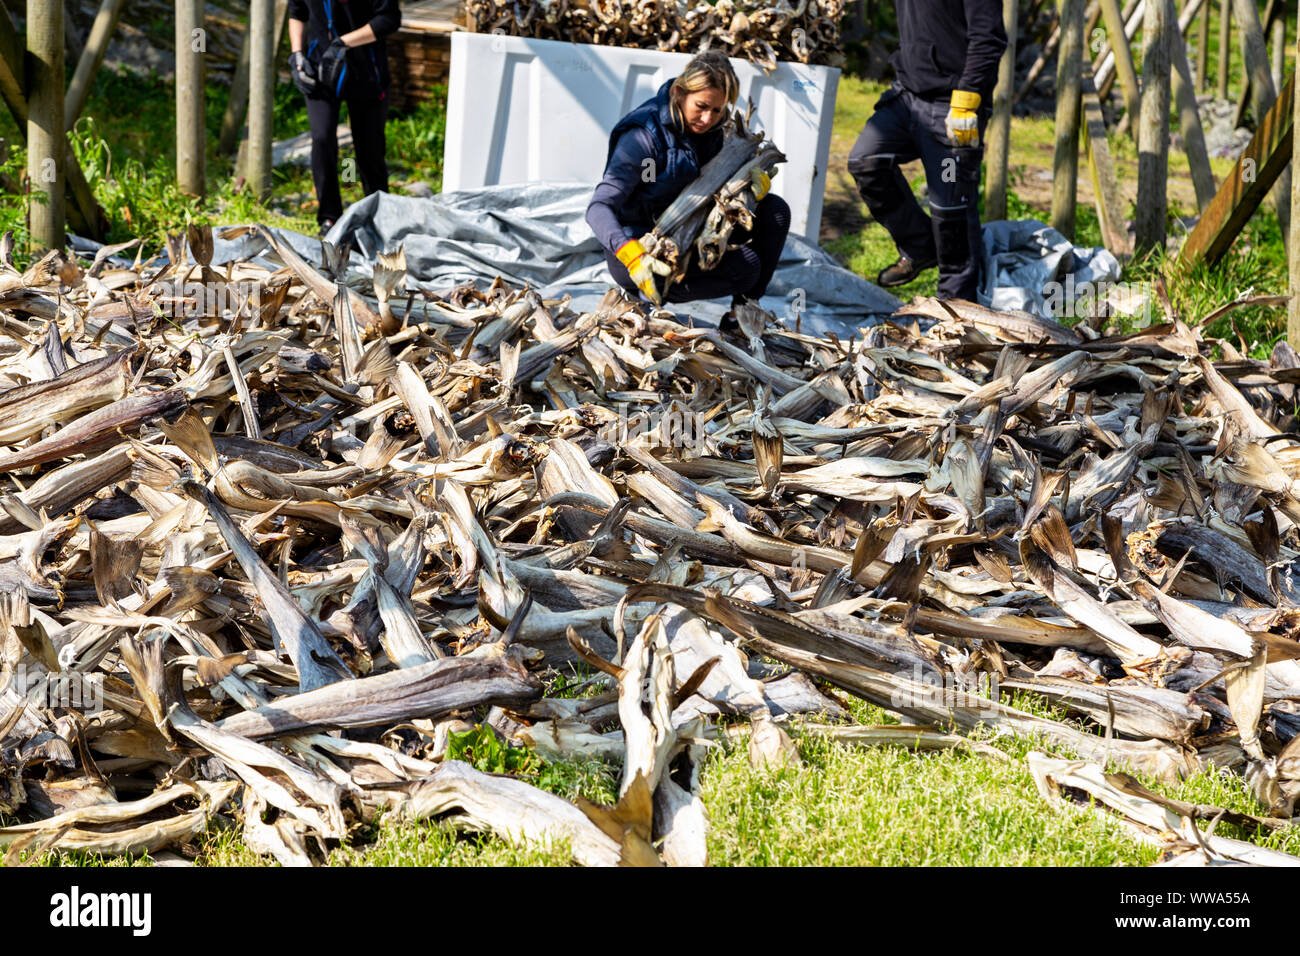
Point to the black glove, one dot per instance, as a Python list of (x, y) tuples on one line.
[(303, 74), (333, 67)]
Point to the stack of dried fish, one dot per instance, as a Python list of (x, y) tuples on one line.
[(267, 541), (763, 33)]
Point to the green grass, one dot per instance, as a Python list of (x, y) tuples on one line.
[(844, 805), (885, 806)]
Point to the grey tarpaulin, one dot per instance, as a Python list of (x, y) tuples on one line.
[(1023, 256), (536, 233)]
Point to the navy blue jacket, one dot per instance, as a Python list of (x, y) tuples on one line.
[(946, 45), (650, 161)]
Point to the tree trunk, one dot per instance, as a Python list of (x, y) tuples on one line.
[(1123, 56), (191, 42), (1263, 93), (1225, 47), (1189, 122), (1153, 128), (1293, 307), (999, 131), (261, 90), (1065, 156), (47, 143)]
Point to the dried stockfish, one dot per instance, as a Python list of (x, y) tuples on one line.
[(298, 545)]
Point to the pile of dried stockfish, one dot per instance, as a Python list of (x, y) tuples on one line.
[(755, 30), (268, 540)]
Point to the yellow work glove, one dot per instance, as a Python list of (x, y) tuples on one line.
[(962, 124), (642, 267), (760, 182)]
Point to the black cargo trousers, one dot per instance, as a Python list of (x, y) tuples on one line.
[(905, 127)]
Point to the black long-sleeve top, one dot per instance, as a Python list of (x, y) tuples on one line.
[(947, 45), (327, 19)]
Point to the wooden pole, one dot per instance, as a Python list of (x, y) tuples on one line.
[(1202, 47), (1105, 188), (191, 42), (1105, 72), (84, 214), (47, 144), (1122, 55), (1189, 121), (1279, 45), (1263, 93), (1293, 307), (1153, 129), (91, 58), (233, 129), (1190, 9), (1065, 156), (999, 130), (261, 130), (1225, 47)]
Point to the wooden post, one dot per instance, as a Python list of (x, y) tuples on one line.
[(1225, 47), (83, 212), (91, 58), (1123, 56), (1105, 188), (1190, 9), (1202, 47), (233, 138), (1065, 156), (1244, 188), (1263, 93), (999, 130), (1189, 120), (1293, 307), (191, 128), (47, 142), (1153, 129), (261, 129), (1105, 72), (1279, 45)]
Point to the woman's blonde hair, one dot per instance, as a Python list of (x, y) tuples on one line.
[(707, 71)]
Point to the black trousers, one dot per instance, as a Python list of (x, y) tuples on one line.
[(367, 113), (905, 127), (743, 271)]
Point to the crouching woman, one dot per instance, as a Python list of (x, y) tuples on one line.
[(655, 152)]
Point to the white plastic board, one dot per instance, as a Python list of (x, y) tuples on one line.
[(522, 110)]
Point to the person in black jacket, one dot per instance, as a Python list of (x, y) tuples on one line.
[(936, 110), (655, 152), (338, 55)]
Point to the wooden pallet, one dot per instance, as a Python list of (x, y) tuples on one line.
[(419, 54)]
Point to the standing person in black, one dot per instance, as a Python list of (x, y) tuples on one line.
[(945, 70), (338, 55)]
